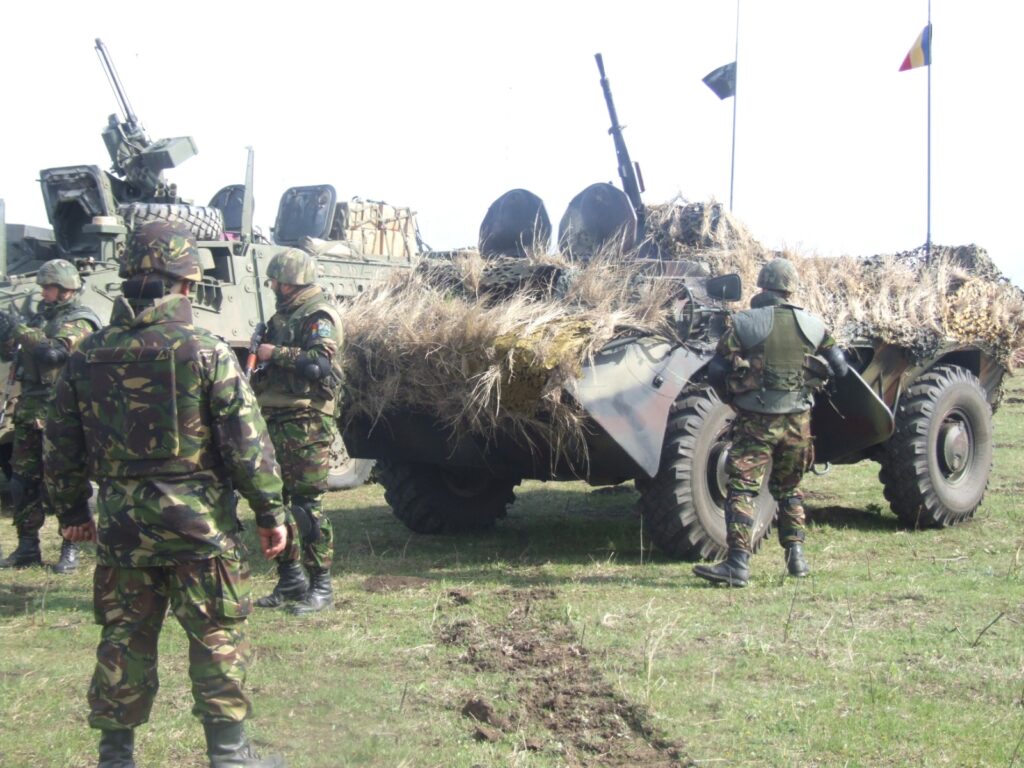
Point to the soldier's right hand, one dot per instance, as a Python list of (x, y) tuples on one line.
[(77, 534), (273, 541)]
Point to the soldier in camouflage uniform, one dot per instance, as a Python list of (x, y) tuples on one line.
[(38, 348), (158, 413), (771, 361), (298, 385)]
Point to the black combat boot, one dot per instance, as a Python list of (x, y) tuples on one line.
[(228, 747), (795, 560), (320, 595), (68, 557), (26, 554), (116, 748), (734, 570), (292, 584)]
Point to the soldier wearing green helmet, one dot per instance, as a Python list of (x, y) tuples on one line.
[(770, 363), (159, 414), (37, 347), (298, 385)]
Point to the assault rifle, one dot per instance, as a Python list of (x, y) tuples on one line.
[(629, 172), (254, 345)]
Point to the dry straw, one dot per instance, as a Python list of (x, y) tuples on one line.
[(488, 345)]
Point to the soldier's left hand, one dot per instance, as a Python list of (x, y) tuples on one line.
[(80, 533), (264, 352), (273, 540)]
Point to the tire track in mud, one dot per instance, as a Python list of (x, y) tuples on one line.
[(557, 691)]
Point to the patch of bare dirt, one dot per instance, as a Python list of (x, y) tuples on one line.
[(379, 584), (557, 691)]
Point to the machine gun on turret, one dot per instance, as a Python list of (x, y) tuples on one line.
[(629, 171), (138, 162)]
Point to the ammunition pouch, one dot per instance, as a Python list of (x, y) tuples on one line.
[(816, 372), (305, 521)]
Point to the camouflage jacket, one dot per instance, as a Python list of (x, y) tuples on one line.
[(307, 327), (62, 326), (158, 413), (768, 351)]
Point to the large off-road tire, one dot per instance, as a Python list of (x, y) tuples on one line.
[(683, 507), (936, 465), (429, 499), (204, 223), (346, 472)]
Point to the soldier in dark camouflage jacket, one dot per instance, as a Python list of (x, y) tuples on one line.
[(298, 386), (38, 348), (767, 362), (158, 413)]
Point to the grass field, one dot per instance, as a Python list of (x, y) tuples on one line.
[(580, 646)]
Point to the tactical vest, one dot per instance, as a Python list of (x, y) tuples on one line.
[(776, 342), (278, 387), (147, 410), (37, 378)]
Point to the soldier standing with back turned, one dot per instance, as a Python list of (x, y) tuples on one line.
[(39, 347), (158, 413), (298, 384), (765, 361)]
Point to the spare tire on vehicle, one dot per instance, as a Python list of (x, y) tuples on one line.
[(203, 222)]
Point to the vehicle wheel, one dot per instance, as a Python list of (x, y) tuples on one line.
[(684, 505), (429, 499), (346, 472), (937, 463), (204, 223)]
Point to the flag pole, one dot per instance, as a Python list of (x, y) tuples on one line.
[(732, 161), (928, 234)]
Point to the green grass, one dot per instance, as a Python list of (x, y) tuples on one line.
[(901, 649)]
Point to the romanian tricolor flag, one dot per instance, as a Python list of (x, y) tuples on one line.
[(921, 53)]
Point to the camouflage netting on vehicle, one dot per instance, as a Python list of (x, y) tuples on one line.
[(956, 295), (490, 344)]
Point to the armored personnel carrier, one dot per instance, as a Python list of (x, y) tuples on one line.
[(649, 415)]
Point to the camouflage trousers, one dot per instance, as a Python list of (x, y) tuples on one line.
[(760, 440), (29, 497), (302, 441), (210, 599)]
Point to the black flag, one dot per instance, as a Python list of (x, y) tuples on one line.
[(722, 81)]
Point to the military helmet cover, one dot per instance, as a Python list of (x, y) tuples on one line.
[(778, 275), (164, 247), (61, 273), (292, 267)]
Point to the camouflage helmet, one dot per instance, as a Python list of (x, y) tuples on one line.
[(164, 247), (61, 273), (779, 275), (292, 267)]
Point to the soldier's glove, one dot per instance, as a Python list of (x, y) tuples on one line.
[(312, 368), (836, 361), (47, 355)]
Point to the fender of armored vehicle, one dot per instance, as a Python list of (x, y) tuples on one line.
[(629, 387)]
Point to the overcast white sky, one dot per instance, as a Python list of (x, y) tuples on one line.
[(444, 105)]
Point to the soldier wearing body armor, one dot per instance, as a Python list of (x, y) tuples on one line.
[(298, 384), (158, 413), (38, 348), (770, 362)]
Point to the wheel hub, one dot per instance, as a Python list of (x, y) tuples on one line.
[(954, 448), (718, 481)]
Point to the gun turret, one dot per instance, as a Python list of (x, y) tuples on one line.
[(137, 160), (629, 172)]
